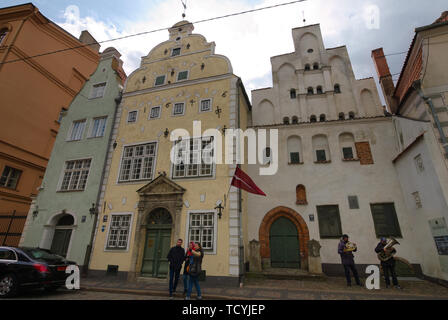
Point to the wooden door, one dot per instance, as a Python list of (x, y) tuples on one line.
[(155, 264), (61, 241), (284, 244)]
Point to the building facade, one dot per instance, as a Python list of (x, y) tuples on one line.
[(419, 104), (34, 91), (335, 170), (62, 216), (149, 202)]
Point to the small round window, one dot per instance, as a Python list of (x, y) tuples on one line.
[(310, 51)]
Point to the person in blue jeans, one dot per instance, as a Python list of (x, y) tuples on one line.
[(186, 276), (176, 257), (194, 271)]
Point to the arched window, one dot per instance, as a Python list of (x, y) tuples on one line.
[(315, 66), (322, 118), (310, 90), (301, 194), (295, 120), (347, 145), (285, 120), (307, 67), (3, 33), (337, 88), (341, 116), (294, 146), (65, 220), (319, 90), (292, 93), (351, 115), (313, 118), (321, 149)]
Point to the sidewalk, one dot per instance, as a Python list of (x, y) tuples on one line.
[(332, 288)]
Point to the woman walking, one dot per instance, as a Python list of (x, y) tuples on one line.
[(194, 271)]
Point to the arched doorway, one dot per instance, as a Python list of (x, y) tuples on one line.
[(157, 244), (283, 229), (62, 235), (284, 244)]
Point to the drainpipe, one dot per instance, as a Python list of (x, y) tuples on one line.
[(417, 86), (89, 250)]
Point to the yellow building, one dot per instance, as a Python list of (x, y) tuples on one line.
[(147, 201)]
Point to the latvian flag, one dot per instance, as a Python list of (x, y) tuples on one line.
[(243, 181)]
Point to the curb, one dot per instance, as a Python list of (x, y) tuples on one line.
[(156, 293)]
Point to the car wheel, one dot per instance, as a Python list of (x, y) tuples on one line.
[(8, 286)]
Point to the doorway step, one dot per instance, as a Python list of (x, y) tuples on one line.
[(285, 274)]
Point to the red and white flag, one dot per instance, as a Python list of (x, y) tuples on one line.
[(243, 181)]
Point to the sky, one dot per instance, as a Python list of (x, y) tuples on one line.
[(250, 40)]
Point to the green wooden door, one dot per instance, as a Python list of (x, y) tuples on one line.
[(155, 264), (61, 240), (284, 244)]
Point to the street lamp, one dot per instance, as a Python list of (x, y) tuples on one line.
[(93, 210)]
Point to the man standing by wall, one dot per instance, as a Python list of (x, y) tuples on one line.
[(348, 261), (389, 264), (176, 257)]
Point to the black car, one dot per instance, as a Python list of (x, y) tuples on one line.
[(22, 268)]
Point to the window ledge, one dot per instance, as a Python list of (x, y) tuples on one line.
[(322, 162), (295, 163), (350, 159), (65, 191)]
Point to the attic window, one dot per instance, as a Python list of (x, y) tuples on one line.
[(175, 52), (178, 38), (310, 51)]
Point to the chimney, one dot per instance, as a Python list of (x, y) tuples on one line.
[(87, 38), (385, 79)]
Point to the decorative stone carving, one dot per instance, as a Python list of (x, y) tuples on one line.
[(314, 260), (254, 256), (314, 248)]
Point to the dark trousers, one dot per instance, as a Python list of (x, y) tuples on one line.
[(194, 280), (174, 279), (389, 268), (186, 277), (347, 268)]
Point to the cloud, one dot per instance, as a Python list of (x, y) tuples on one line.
[(250, 40)]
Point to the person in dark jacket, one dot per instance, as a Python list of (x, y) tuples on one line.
[(175, 257), (194, 270), (388, 265), (348, 261), (186, 276)]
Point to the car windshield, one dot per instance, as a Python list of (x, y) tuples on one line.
[(44, 255)]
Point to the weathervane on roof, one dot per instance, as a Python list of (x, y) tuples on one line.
[(184, 4)]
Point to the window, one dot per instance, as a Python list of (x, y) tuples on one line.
[(320, 156), (301, 194), (160, 80), (329, 221), (98, 90), (10, 177), (310, 51), (315, 66), (310, 90), (119, 232), (319, 90), (132, 116), (295, 120), (341, 116), (193, 158), (385, 220), (307, 67), (322, 118), (267, 155), (137, 162), (99, 126), (206, 105), (353, 202), (155, 112), (347, 153), (178, 109), (183, 75), (313, 118), (175, 52), (75, 175), (294, 147), (295, 157), (3, 34), (77, 130), (202, 229), (351, 115), (292, 93), (6, 254), (285, 120), (337, 88)]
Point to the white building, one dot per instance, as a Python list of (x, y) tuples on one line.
[(336, 173)]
